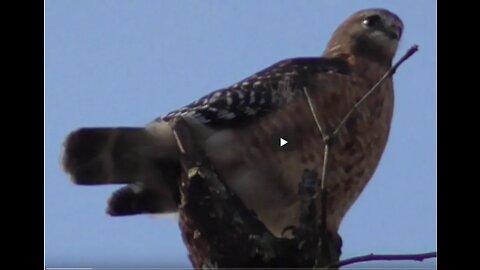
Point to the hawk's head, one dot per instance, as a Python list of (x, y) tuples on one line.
[(371, 33)]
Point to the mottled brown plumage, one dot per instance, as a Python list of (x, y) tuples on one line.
[(267, 180), (236, 126)]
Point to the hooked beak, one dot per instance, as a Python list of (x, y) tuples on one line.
[(393, 32)]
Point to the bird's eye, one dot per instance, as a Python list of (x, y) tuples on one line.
[(371, 20)]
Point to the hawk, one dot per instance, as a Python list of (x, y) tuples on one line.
[(235, 127)]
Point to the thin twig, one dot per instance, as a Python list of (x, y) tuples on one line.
[(387, 74), (179, 142), (323, 191), (393, 257), (314, 113)]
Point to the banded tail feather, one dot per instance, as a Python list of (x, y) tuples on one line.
[(143, 158)]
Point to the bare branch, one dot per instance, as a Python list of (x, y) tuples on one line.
[(387, 74), (314, 113), (392, 257), (323, 191)]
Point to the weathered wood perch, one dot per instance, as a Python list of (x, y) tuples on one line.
[(220, 232)]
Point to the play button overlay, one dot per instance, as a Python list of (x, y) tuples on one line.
[(283, 142)]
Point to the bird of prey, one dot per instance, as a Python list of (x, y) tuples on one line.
[(236, 125)]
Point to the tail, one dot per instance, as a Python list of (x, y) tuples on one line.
[(96, 156), (146, 159)]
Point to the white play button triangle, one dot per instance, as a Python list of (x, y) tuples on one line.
[(283, 143)]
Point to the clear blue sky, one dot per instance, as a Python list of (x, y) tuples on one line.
[(123, 63)]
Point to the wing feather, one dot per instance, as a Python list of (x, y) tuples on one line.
[(259, 94)]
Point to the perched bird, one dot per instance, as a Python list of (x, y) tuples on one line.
[(236, 126)]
